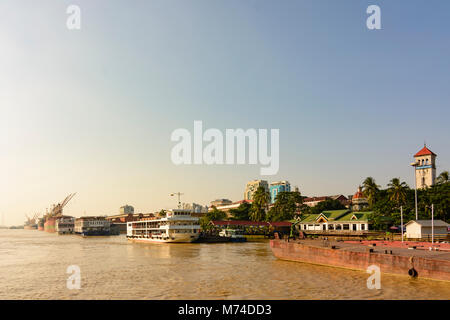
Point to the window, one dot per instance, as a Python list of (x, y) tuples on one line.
[(346, 226), (362, 227)]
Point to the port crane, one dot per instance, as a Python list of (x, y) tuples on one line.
[(179, 195), (31, 221), (57, 210)]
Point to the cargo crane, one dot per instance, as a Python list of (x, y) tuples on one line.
[(57, 210), (31, 223), (55, 213)]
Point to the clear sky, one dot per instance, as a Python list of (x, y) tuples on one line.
[(91, 111)]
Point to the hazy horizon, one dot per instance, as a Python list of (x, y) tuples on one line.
[(92, 110)]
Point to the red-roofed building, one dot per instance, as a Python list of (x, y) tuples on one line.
[(313, 201), (424, 152), (425, 168), (257, 226), (359, 201)]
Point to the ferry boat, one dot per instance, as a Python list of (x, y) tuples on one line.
[(177, 226), (233, 234), (65, 225), (92, 226)]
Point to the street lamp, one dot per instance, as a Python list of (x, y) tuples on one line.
[(415, 164)]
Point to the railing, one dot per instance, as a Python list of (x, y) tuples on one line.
[(428, 238)]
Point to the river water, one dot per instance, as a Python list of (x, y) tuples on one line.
[(33, 265)]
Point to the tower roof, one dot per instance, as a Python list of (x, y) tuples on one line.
[(359, 194), (424, 152)]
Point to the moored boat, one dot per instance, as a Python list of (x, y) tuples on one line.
[(234, 235), (50, 225), (65, 225), (92, 226), (177, 226)]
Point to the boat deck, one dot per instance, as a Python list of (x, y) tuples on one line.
[(386, 247)]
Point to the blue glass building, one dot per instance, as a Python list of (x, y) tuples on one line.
[(277, 187)]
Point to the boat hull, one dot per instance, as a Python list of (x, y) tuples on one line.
[(50, 225), (177, 239), (360, 260), (93, 233)]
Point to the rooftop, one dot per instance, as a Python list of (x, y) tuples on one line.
[(424, 152), (427, 223)]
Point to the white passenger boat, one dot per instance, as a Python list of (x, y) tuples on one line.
[(234, 235), (177, 226)]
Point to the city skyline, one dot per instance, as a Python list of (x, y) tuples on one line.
[(92, 110)]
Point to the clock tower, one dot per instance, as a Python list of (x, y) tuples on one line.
[(425, 167)]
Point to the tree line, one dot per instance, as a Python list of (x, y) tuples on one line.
[(385, 204)]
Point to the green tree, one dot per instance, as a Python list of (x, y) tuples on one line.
[(370, 190), (285, 206), (162, 213), (397, 191), (242, 212), (443, 177), (216, 214), (261, 200), (212, 215)]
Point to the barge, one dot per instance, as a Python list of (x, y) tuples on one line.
[(432, 262)]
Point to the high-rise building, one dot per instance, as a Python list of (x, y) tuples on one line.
[(252, 186), (126, 209), (425, 168), (277, 187)]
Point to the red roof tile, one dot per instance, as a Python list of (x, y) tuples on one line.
[(424, 152), (250, 223)]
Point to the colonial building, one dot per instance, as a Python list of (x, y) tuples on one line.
[(277, 187), (252, 186), (425, 168), (335, 220), (359, 201)]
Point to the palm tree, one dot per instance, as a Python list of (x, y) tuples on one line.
[(261, 200), (443, 177), (397, 191), (370, 189)]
